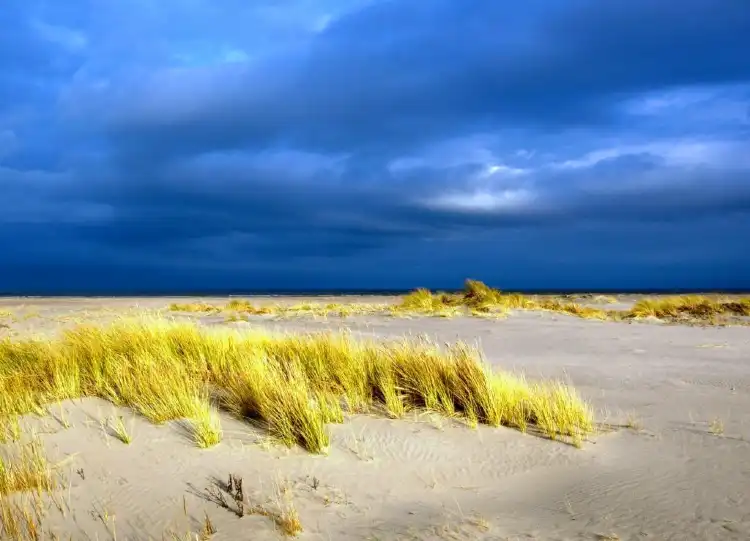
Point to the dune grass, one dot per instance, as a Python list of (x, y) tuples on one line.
[(690, 307), (194, 307), (478, 298), (242, 307), (19, 521), (26, 476), (25, 469), (294, 385)]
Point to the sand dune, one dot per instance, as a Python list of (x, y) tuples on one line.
[(680, 470)]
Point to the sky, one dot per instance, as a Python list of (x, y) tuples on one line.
[(195, 145)]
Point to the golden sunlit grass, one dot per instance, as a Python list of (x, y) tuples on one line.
[(689, 307), (120, 430), (19, 521), (206, 426), (480, 299), (421, 300), (10, 429), (25, 470), (716, 427), (194, 307), (283, 514), (294, 385), (25, 474), (241, 307)]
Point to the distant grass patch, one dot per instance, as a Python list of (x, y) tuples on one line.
[(243, 307), (294, 385), (689, 307), (478, 298), (196, 307)]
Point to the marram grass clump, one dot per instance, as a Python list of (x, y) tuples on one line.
[(479, 299), (24, 468), (194, 307), (243, 307), (25, 474), (690, 307), (294, 384)]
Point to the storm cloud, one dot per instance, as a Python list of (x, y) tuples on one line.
[(374, 144)]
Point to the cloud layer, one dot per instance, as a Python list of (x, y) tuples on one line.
[(374, 143)]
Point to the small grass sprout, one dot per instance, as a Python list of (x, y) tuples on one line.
[(117, 424)]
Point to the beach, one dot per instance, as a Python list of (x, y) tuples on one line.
[(670, 458)]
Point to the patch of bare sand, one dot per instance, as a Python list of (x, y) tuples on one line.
[(673, 475), (382, 478)]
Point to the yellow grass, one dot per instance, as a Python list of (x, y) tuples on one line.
[(239, 305), (121, 431), (21, 518), (25, 469), (480, 300), (199, 307), (294, 385), (572, 308), (25, 474), (206, 425), (243, 307), (689, 307)]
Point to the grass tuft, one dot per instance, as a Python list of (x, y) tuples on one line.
[(120, 431), (206, 425), (479, 299), (26, 470), (21, 518), (195, 307), (689, 307), (716, 427), (295, 385)]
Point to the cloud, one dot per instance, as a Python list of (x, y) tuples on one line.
[(69, 39), (426, 76), (366, 138)]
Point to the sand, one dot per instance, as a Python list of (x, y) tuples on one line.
[(681, 470)]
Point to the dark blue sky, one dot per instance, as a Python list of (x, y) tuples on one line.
[(309, 144)]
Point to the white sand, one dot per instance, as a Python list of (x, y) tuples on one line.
[(429, 478)]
